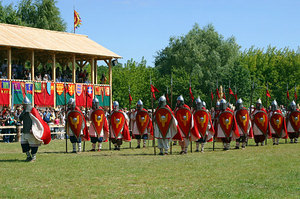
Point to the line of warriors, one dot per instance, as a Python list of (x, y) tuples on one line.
[(183, 124)]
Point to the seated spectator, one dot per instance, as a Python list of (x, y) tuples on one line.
[(103, 79), (8, 120), (47, 116), (4, 75), (38, 77), (46, 77)]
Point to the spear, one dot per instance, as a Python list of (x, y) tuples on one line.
[(152, 116), (66, 126), (228, 92), (251, 97), (171, 91), (130, 130)]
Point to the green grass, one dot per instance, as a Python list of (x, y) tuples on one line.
[(256, 172)]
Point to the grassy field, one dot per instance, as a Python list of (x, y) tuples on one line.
[(256, 172)]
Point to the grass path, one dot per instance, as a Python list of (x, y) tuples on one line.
[(256, 172)]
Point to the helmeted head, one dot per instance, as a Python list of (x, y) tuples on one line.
[(116, 106), (203, 104), (293, 105), (27, 104), (274, 106), (139, 105), (239, 104), (162, 101), (223, 104), (218, 105), (71, 104), (258, 104), (198, 103), (180, 101), (95, 103)]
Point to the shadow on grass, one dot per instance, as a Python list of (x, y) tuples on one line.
[(12, 160)]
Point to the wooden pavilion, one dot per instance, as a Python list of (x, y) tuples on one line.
[(41, 46)]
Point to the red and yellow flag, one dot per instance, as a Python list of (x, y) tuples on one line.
[(77, 20)]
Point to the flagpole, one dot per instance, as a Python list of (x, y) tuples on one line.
[(295, 94), (152, 116), (228, 92), (130, 130), (267, 102), (217, 97), (171, 91), (251, 97), (66, 118)]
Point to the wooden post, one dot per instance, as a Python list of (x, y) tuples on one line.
[(54, 77), (32, 75), (108, 62), (92, 62), (74, 69), (9, 72), (110, 83), (95, 72)]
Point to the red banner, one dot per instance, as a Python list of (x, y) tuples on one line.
[(80, 95), (4, 92), (43, 98)]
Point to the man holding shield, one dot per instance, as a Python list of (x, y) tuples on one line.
[(142, 124), (243, 123), (277, 125), (260, 121), (35, 130), (76, 125), (227, 129), (165, 126), (187, 127), (119, 130), (293, 122), (98, 129), (204, 124)]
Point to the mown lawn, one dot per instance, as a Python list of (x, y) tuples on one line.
[(256, 172)]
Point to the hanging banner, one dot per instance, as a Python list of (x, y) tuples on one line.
[(71, 89), (4, 92), (49, 95), (81, 99), (43, 98), (18, 92), (38, 87), (89, 95), (59, 88)]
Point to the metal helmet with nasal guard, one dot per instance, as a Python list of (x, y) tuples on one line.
[(139, 105), (95, 103)]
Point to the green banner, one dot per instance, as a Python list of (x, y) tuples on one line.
[(60, 99), (105, 101)]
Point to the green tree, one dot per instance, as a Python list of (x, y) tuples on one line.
[(34, 13), (204, 56)]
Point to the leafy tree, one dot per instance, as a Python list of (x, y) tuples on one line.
[(34, 13)]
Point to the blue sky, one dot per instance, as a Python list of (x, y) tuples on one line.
[(137, 28)]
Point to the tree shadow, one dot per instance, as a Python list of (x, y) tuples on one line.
[(12, 160)]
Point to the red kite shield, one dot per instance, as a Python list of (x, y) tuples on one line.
[(184, 118), (294, 119), (242, 119), (142, 121), (75, 120), (117, 122), (226, 121), (277, 122), (202, 119), (98, 118), (163, 118), (261, 121)]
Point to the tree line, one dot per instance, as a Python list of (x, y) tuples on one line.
[(205, 58), (202, 58)]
